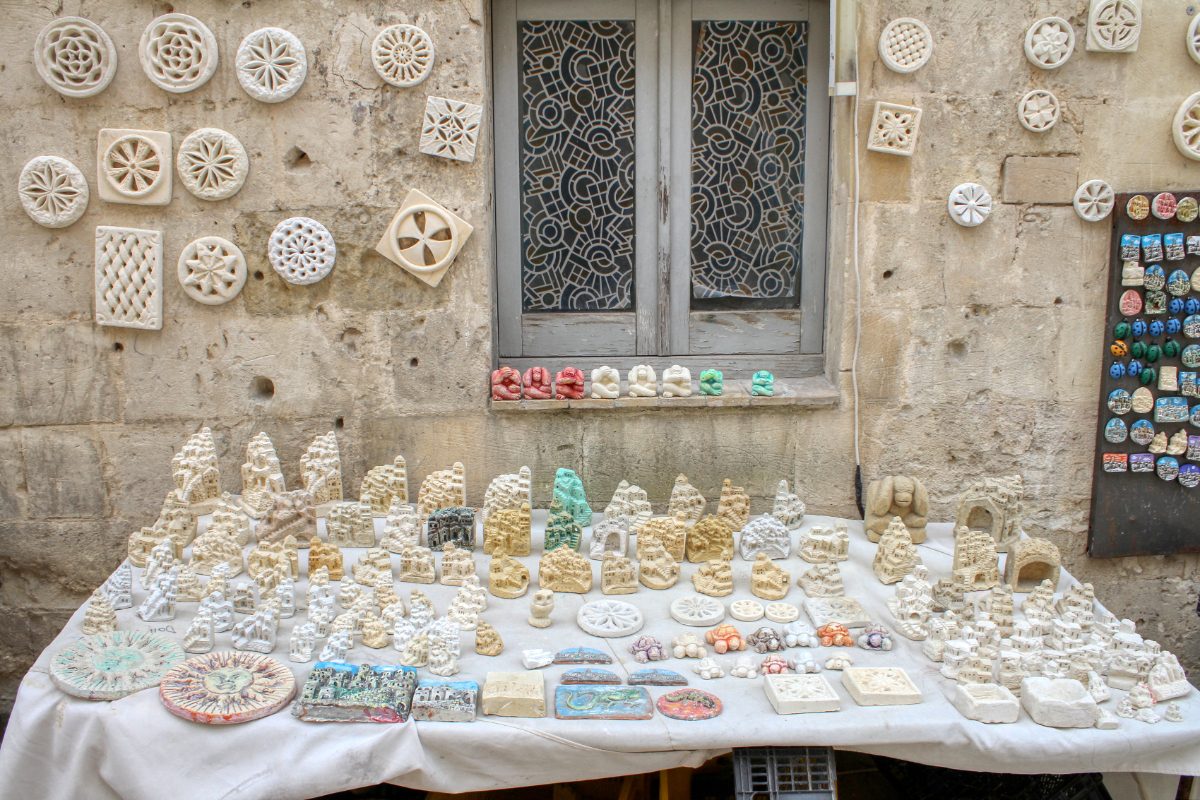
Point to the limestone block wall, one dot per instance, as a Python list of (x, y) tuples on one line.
[(979, 349)]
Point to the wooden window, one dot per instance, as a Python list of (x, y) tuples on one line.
[(661, 182)]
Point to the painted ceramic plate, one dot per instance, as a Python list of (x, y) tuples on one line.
[(689, 704), (109, 666), (227, 688)]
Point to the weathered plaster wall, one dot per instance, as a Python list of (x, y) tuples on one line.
[(980, 347)]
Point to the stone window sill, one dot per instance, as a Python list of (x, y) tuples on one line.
[(813, 392)]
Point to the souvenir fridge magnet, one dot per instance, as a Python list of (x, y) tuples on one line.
[(1191, 325), (1168, 379), (1131, 247), (1173, 246), (1192, 245), (1115, 430), (1141, 462), (1142, 400), (1167, 468), (1179, 283), (1119, 401), (1164, 206), (1116, 462), (1156, 302), (1133, 274), (1130, 303), (1170, 409), (1142, 432), (1155, 278), (1189, 386), (1152, 247), (1189, 476), (1191, 356), (1138, 207), (1188, 208), (1193, 448)]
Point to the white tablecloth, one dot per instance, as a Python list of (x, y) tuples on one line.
[(59, 746)]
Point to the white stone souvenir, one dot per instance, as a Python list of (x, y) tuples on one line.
[(606, 383), (744, 667), (109, 666), (1166, 678), (424, 238), (271, 65), (99, 616), (211, 270), (688, 645), (799, 634), (894, 129), (458, 564), (822, 545), (905, 45), (540, 608), (285, 598), (212, 164), (301, 251), (746, 610), (133, 166), (788, 508), (159, 605), (507, 492), (118, 588), (401, 528), (201, 633), (782, 612), (1049, 42), (609, 619), (302, 643), (442, 661), (161, 559), (609, 537), (846, 610), (338, 645), (188, 588), (708, 669), (221, 610), (1038, 111), (697, 610), (1193, 39), (469, 602), (969, 204), (178, 53), (53, 191), (880, 686), (1058, 702), (629, 505), (642, 381), (1174, 713), (897, 555), (823, 580), (536, 658), (1114, 26), (402, 55), (985, 702), (75, 57), (384, 485), (1185, 128), (129, 280), (764, 534), (800, 694), (1094, 200), (450, 129), (677, 382)]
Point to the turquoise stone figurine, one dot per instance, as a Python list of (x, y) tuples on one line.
[(712, 382), (568, 489), (762, 384)]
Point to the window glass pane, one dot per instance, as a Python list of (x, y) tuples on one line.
[(577, 165), (747, 166)]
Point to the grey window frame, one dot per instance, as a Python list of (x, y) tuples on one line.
[(663, 327)]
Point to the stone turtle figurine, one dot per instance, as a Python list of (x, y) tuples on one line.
[(765, 640), (647, 648)]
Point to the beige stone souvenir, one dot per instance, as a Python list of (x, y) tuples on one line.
[(788, 508), (509, 529), (1158, 445), (992, 505), (1031, 561), (880, 686), (986, 702), (230, 513), (677, 382), (384, 485), (374, 564), (764, 534), (708, 539), (424, 237), (267, 557), (609, 537), (401, 527), (514, 694), (161, 559), (565, 570), (896, 555), (714, 578), (768, 580), (507, 577), (642, 381), (896, 496), (823, 545), (99, 617), (823, 580), (325, 555), (445, 488), (487, 640), (975, 561), (375, 633), (217, 545), (321, 470), (746, 610), (1058, 703), (540, 608), (670, 532), (617, 575), (509, 491), (629, 505), (1177, 445), (176, 522), (734, 505), (606, 383), (262, 476), (657, 569), (1142, 400), (1166, 678), (196, 472), (686, 500), (128, 278), (458, 564), (688, 645), (291, 514), (416, 565), (416, 651), (349, 524), (469, 602), (200, 635), (188, 588)]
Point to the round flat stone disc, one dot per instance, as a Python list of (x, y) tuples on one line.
[(697, 610), (609, 619), (227, 688), (109, 666), (689, 704)]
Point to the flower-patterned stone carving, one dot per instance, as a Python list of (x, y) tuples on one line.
[(1049, 42), (1193, 39), (1114, 26), (1038, 111), (402, 55), (424, 238), (302, 250), (133, 166), (450, 129), (212, 270), (271, 65), (905, 45), (129, 281), (894, 129), (969, 204), (1094, 200), (1186, 127), (53, 191), (212, 164), (75, 57), (178, 53)]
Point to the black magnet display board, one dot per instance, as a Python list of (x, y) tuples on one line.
[(1135, 510)]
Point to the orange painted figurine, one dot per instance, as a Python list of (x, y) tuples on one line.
[(835, 634), (726, 639), (537, 383), (568, 384), (506, 384)]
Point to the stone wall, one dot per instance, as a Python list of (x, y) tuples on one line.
[(980, 348)]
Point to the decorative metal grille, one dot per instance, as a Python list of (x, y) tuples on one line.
[(748, 107), (577, 165)]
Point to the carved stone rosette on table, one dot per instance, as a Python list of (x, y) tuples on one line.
[(227, 688)]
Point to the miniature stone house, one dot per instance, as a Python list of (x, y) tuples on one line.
[(993, 505), (1031, 561)]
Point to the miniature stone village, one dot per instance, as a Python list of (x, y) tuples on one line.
[(1004, 636)]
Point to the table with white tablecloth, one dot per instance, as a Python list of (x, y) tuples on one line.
[(60, 746)]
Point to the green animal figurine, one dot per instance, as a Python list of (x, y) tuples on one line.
[(762, 384), (712, 382)]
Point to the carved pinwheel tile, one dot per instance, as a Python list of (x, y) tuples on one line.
[(133, 166), (424, 238)]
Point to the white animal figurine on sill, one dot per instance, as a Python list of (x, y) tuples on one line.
[(642, 381), (677, 382), (606, 383)]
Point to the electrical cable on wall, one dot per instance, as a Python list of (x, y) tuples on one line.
[(858, 481)]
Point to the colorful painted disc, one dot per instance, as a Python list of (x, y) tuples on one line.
[(1116, 431), (1187, 210), (109, 666), (1179, 283), (1156, 302), (1142, 432), (1138, 207), (1189, 476), (227, 688), (1167, 468), (1191, 325), (1130, 303), (1119, 402), (1155, 278), (1164, 206), (689, 704), (1191, 356)]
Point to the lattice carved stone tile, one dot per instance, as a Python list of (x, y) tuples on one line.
[(212, 270), (424, 238), (301, 250), (134, 166), (212, 164), (450, 129), (402, 55), (129, 278), (905, 45), (271, 64), (894, 129), (53, 191), (75, 57), (178, 53)]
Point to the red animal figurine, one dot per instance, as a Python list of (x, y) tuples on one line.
[(506, 384), (537, 384), (568, 384)]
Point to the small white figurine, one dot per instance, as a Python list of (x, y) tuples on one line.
[(536, 659), (188, 588), (1174, 713), (256, 633), (708, 669), (468, 603), (677, 382), (642, 381), (606, 383), (688, 645), (442, 660), (416, 652), (302, 643), (541, 608), (161, 559), (336, 648), (420, 609), (285, 595), (744, 667), (200, 636), (243, 598), (221, 610), (119, 587), (402, 631), (159, 605), (799, 634), (838, 662), (99, 616)]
